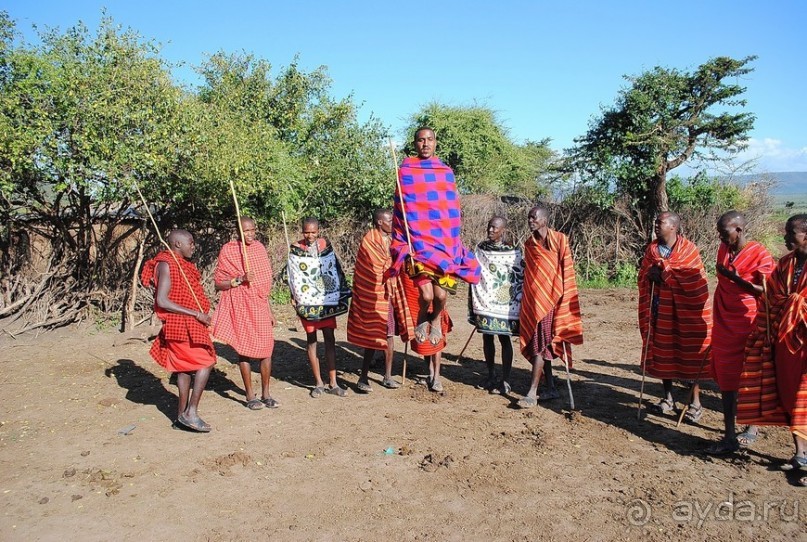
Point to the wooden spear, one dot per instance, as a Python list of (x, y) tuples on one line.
[(240, 227), (160, 237), (648, 336)]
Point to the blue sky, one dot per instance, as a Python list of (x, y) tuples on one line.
[(545, 67)]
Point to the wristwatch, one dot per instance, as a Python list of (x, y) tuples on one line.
[(234, 282)]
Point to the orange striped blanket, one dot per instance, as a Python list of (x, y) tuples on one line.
[(549, 282), (369, 308), (681, 333), (412, 294), (773, 384)]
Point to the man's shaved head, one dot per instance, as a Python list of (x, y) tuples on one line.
[(179, 236), (673, 218), (379, 214), (732, 217)]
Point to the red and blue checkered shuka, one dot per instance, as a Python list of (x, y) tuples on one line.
[(432, 205)]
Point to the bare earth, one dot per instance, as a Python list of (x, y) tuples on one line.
[(392, 465)]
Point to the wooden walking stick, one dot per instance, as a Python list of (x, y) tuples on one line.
[(406, 356), (400, 195), (240, 227), (568, 376), (459, 359), (408, 241), (692, 388), (648, 336), (767, 310), (286, 231), (160, 237)]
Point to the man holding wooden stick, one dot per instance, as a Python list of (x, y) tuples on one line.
[(183, 345), (378, 310), (550, 319), (426, 231), (244, 318), (742, 266), (678, 312)]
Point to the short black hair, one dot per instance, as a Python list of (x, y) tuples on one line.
[(540, 209), (379, 213), (732, 217), (799, 221), (415, 135), (310, 220)]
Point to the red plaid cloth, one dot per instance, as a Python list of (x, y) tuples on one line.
[(242, 316), (178, 328), (682, 330), (434, 219)]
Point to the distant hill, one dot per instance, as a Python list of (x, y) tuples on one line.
[(787, 183)]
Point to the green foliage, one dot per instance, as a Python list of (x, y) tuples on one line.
[(593, 275), (475, 144), (626, 275), (662, 120), (601, 275), (702, 193), (287, 145), (85, 115), (280, 295)]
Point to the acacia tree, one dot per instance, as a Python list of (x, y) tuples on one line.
[(476, 145), (663, 119)]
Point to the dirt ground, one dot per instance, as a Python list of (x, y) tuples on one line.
[(87, 451)]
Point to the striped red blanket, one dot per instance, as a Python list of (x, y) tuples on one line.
[(549, 283), (681, 332), (735, 310), (242, 318), (432, 204), (412, 294), (773, 384), (369, 307)]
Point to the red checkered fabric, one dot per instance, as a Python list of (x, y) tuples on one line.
[(242, 318), (180, 328)]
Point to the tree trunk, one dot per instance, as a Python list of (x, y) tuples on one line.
[(128, 320), (662, 203), (657, 201)]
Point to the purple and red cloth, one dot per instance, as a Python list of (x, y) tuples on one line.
[(429, 194)]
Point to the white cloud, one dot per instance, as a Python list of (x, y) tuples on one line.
[(772, 155)]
